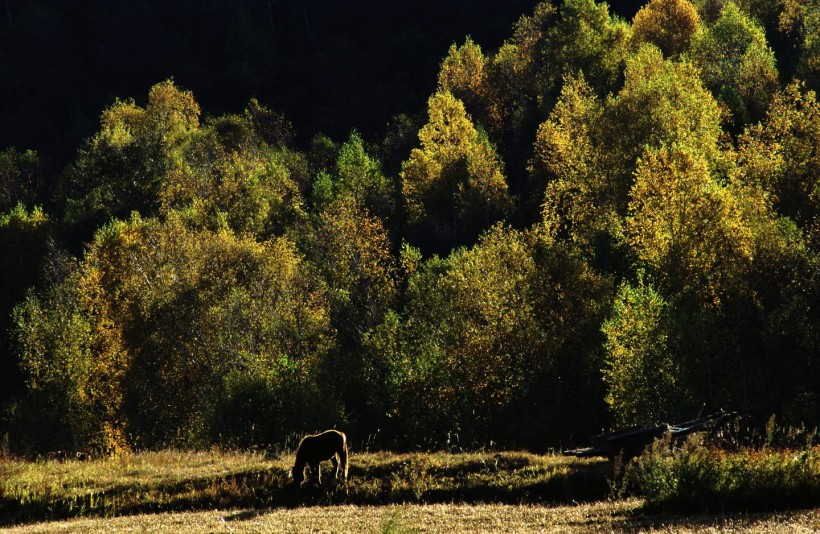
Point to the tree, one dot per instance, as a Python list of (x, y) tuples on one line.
[(230, 176), (72, 356), (568, 165), (585, 156), (642, 374), (22, 179), (801, 20), (503, 334), (470, 340), (506, 93), (668, 24), (662, 102), (350, 250), (123, 167), (25, 239), (357, 178), (687, 228), (737, 64), (587, 39), (453, 184), (145, 341), (463, 74), (780, 156)]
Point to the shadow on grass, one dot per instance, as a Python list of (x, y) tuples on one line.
[(500, 479), (644, 520), (244, 489), (505, 479)]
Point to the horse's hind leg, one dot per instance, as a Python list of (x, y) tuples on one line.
[(343, 461), (335, 463)]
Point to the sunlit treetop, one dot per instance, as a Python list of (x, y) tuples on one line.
[(668, 24)]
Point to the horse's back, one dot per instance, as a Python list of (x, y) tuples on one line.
[(324, 445)]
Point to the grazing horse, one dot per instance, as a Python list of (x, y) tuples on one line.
[(318, 448)]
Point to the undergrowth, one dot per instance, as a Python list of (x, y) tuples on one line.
[(695, 477)]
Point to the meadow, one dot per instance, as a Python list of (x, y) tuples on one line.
[(223, 491)]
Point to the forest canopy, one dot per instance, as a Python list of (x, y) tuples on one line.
[(599, 222)]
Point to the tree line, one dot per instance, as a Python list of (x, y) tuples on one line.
[(600, 223)]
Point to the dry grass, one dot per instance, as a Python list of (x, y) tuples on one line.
[(620, 516), (180, 481), (72, 478), (174, 491)]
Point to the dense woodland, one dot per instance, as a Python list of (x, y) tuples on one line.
[(598, 221)]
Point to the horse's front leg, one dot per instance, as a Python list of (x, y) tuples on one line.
[(317, 468)]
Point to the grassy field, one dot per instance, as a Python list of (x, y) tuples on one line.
[(435, 492), (615, 516)]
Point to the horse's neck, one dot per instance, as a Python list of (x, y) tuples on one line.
[(301, 461)]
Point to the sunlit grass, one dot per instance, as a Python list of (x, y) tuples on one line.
[(604, 516), (173, 480), (411, 492)]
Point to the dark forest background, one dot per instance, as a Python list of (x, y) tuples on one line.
[(328, 65), (429, 223)]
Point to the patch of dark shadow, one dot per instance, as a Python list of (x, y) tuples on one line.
[(486, 465), (763, 500), (244, 515), (638, 520), (558, 489)]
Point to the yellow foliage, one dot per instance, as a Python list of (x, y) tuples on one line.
[(686, 226), (669, 24), (455, 178)]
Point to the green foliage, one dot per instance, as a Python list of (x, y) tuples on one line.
[(159, 158), (357, 178), (230, 177), (587, 39), (737, 64), (122, 168), (25, 239), (463, 74), (662, 102), (780, 155), (22, 179), (474, 338), (454, 183), (643, 377), (685, 226), (506, 93), (273, 127), (568, 163), (697, 478), (349, 249), (159, 315), (254, 410), (585, 158), (55, 339), (801, 20)]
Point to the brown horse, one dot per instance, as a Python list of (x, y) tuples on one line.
[(317, 448)]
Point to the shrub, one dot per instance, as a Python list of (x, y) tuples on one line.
[(695, 477)]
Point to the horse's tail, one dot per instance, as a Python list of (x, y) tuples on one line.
[(343, 455)]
